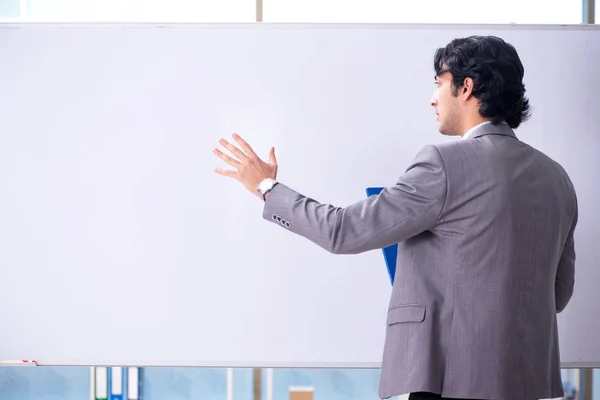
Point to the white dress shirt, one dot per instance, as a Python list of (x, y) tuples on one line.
[(470, 131)]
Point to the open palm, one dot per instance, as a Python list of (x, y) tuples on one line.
[(249, 169)]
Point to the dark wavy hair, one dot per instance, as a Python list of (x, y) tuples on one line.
[(497, 74)]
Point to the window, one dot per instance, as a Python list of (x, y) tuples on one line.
[(141, 10), (9, 9), (359, 11), (430, 11)]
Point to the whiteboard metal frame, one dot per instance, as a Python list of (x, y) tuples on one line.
[(15, 23)]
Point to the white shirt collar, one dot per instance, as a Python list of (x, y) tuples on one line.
[(470, 131)]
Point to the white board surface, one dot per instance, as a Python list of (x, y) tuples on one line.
[(119, 245)]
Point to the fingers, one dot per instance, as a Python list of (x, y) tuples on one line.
[(226, 158), (234, 150), (226, 172), (245, 146), (248, 164), (272, 158)]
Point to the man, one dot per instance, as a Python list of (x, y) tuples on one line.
[(485, 230)]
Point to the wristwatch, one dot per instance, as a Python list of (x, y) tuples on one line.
[(265, 186)]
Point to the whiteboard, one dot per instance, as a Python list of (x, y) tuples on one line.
[(121, 246)]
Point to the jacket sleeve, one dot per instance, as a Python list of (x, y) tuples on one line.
[(565, 273), (399, 212)]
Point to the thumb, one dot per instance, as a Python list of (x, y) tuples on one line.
[(272, 158)]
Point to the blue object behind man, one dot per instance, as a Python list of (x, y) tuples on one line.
[(390, 253)]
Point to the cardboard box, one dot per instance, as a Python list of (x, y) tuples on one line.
[(301, 393)]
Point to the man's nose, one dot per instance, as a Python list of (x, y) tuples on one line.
[(433, 100)]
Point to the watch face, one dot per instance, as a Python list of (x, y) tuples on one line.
[(266, 184)]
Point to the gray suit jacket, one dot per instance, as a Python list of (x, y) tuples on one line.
[(485, 262)]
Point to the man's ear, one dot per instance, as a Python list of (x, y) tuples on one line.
[(466, 90)]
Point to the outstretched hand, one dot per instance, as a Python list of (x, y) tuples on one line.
[(250, 170)]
